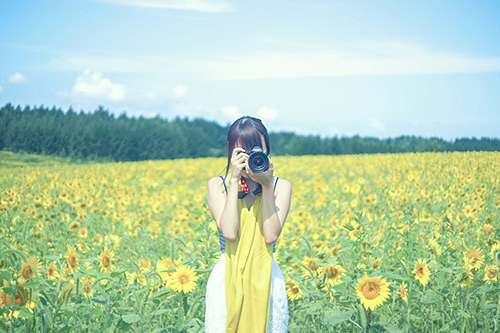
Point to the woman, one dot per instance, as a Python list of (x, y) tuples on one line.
[(246, 290)]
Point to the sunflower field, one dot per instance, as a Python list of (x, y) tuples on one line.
[(389, 243)]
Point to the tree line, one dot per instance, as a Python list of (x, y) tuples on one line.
[(102, 136)]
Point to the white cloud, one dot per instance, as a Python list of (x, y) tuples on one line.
[(95, 86), (377, 125), (374, 58), (16, 78), (179, 91), (194, 5), (384, 58), (267, 113), (231, 111)]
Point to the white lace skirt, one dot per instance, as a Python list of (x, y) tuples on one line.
[(215, 301)]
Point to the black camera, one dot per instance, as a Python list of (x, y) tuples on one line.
[(258, 161)]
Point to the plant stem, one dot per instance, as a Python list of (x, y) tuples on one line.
[(185, 303), (368, 319), (498, 312)]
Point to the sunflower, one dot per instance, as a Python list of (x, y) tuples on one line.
[(135, 277), (467, 279), (72, 259), (73, 226), (163, 265), (436, 246), (310, 263), (422, 272), (83, 233), (183, 279), (52, 272), (68, 288), (86, 282), (145, 265), (495, 253), (491, 273), (29, 269), (333, 273), (402, 293), (107, 260), (293, 290), (467, 211), (335, 250), (473, 257), (81, 247), (21, 298), (376, 263), (372, 292), (488, 228)]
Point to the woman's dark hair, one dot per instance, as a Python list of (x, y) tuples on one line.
[(248, 131)]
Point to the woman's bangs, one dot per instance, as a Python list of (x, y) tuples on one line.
[(249, 138)]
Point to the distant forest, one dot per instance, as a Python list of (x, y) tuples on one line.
[(102, 136)]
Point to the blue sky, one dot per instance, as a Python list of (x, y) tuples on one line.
[(331, 68)]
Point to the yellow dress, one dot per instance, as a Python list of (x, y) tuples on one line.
[(248, 273)]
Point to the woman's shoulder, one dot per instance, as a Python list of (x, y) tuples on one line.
[(283, 184), (216, 179), (216, 182)]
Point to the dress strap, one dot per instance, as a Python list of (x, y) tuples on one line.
[(224, 182)]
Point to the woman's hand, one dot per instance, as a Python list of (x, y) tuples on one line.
[(238, 162), (264, 178)]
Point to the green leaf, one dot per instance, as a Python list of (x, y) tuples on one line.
[(96, 312), (5, 274), (117, 273), (111, 329), (54, 258), (446, 270), (31, 284), (97, 300), (131, 318), (87, 272), (430, 298), (483, 290), (394, 277), (25, 313), (393, 328), (363, 315), (335, 318), (160, 312)]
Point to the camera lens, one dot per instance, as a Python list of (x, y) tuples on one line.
[(258, 161)]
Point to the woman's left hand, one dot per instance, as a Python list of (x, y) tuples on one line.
[(263, 178)]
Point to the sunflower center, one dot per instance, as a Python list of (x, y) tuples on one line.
[(183, 279), (106, 261), (371, 290), (332, 272), (27, 272), (420, 272), (491, 275), (72, 261)]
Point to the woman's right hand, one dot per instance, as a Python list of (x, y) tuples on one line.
[(238, 161)]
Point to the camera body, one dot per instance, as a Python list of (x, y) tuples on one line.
[(258, 161)]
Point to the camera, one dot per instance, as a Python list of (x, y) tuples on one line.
[(258, 161)]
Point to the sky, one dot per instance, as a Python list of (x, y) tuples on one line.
[(318, 67)]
